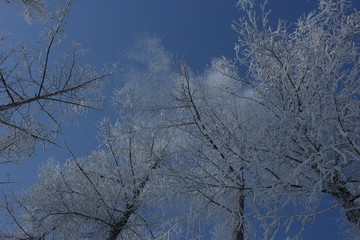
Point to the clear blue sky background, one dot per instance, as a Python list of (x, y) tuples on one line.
[(197, 30)]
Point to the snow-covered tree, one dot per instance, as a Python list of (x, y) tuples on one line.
[(38, 86), (271, 146), (309, 78), (120, 191), (110, 193), (33, 10), (242, 156)]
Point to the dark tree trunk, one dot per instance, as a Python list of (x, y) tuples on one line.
[(239, 233), (239, 229), (347, 200), (120, 225)]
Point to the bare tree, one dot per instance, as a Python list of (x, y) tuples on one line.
[(38, 86), (103, 195), (33, 10), (309, 79), (117, 192), (234, 152), (285, 136)]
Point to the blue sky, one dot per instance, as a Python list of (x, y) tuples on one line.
[(196, 30)]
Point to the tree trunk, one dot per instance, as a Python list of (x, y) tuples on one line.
[(239, 230), (239, 233), (121, 223), (346, 199)]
